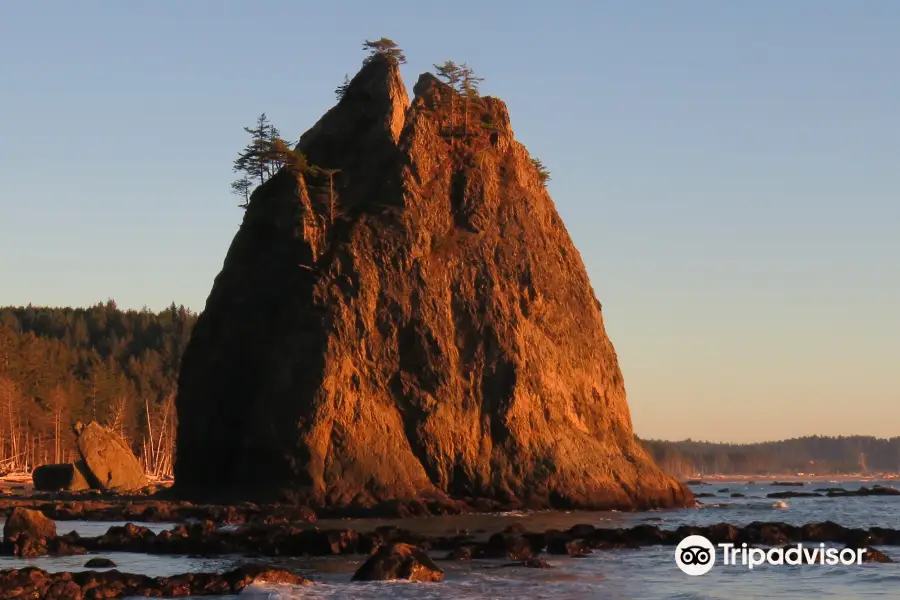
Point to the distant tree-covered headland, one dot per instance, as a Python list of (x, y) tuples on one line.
[(61, 365), (809, 455)]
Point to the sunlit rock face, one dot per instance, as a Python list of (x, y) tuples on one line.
[(417, 325)]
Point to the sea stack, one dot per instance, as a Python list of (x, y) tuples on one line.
[(416, 325)]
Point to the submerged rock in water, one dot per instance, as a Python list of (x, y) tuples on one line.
[(877, 490), (529, 563), (70, 477), (794, 495), (399, 561), (100, 563), (110, 463), (417, 325)]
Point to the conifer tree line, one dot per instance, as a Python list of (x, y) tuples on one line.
[(62, 365), (120, 368), (820, 455)]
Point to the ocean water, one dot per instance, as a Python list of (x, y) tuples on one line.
[(645, 573)]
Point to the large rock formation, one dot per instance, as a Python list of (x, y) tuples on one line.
[(419, 325)]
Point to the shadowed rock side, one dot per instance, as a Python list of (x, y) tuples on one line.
[(428, 330)]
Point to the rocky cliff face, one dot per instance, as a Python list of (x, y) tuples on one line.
[(419, 324)]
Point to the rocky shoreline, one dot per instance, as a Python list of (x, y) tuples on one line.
[(516, 543), (90, 506), (393, 553), (160, 507)]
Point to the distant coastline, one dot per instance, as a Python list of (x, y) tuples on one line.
[(810, 457), (770, 478)]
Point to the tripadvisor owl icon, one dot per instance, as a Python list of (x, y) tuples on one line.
[(695, 555)]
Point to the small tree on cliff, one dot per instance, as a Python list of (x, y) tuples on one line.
[(265, 154), (468, 87), (281, 154), (242, 188), (449, 72), (341, 90), (543, 173), (333, 212), (385, 47), (250, 160)]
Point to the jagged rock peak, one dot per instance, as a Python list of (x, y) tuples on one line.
[(418, 325), (375, 97), (433, 94)]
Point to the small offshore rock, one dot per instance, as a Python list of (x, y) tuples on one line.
[(399, 561), (100, 563), (875, 556)]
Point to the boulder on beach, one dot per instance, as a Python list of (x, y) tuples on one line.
[(399, 561), (411, 320), (109, 462), (55, 477)]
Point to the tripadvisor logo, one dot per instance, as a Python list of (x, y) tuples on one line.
[(696, 555)]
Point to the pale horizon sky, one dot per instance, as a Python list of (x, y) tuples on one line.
[(728, 171)]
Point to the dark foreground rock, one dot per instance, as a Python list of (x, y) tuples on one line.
[(399, 561), (27, 533), (37, 584), (70, 476), (439, 338), (109, 461)]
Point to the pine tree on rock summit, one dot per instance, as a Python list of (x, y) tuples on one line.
[(450, 73), (468, 87), (385, 47)]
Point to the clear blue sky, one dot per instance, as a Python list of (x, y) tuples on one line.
[(730, 172)]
